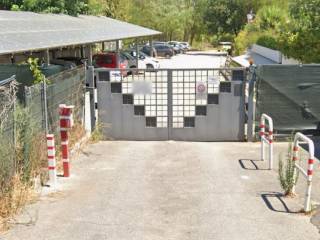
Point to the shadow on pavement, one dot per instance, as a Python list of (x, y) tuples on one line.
[(274, 201), (252, 164)]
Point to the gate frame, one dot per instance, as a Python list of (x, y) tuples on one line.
[(266, 137)]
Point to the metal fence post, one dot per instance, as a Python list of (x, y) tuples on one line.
[(251, 105), (91, 85), (44, 106), (170, 119)]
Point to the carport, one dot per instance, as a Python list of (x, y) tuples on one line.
[(45, 35)]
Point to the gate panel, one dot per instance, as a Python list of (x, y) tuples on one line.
[(207, 106), (129, 116), (185, 104)]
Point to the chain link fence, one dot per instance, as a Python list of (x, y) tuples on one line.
[(7, 129), (23, 123), (44, 99)]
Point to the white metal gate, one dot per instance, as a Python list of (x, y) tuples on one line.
[(177, 104)]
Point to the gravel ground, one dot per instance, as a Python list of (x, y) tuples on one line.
[(167, 191)]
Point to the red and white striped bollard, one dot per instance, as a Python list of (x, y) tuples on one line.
[(65, 124), (51, 160)]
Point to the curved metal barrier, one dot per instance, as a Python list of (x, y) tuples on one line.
[(300, 138), (266, 137)]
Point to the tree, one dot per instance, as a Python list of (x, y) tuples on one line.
[(300, 36)]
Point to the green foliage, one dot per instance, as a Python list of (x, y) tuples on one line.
[(286, 173), (39, 77), (268, 41), (265, 29), (225, 16), (300, 36)]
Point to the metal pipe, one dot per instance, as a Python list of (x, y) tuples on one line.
[(137, 53), (118, 53), (298, 137)]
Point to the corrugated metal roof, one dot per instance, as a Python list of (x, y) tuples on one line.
[(26, 31)]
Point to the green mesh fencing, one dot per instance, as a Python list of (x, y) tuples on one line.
[(7, 133), (24, 75), (290, 95), (63, 88)]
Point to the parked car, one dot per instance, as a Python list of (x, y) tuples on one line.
[(132, 62), (147, 50), (185, 45), (150, 62), (109, 60), (76, 60), (176, 47), (65, 64), (164, 50)]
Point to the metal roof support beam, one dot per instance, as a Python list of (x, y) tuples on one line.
[(118, 52), (137, 53), (47, 57), (151, 47), (89, 54)]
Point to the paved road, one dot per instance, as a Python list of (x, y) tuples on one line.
[(194, 60), (166, 191)]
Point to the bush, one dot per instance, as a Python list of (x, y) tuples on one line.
[(268, 41), (286, 174)]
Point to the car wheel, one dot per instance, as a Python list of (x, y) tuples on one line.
[(167, 55), (150, 66)]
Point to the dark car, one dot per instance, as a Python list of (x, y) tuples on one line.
[(147, 50), (76, 60), (164, 50)]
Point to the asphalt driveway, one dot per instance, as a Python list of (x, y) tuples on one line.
[(169, 191)]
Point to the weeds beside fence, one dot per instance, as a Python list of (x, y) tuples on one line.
[(23, 126)]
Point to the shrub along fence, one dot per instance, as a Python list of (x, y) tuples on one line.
[(24, 123), (7, 129)]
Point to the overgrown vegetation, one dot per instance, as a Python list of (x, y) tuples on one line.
[(97, 134), (38, 76), (22, 155), (286, 173)]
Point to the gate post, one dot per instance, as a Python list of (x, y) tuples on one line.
[(170, 120), (251, 105), (91, 86)]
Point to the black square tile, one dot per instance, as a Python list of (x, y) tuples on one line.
[(116, 87), (151, 121), (238, 75), (127, 98), (213, 98), (104, 76), (139, 110), (189, 122), (201, 110), (225, 87)]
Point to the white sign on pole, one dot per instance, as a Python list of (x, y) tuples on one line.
[(142, 87), (213, 80)]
